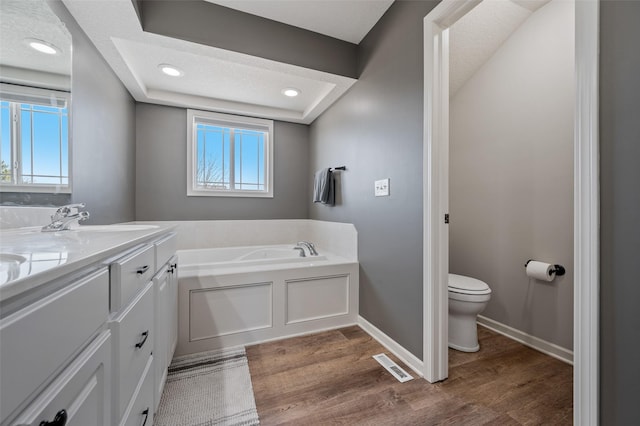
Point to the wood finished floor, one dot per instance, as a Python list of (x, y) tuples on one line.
[(330, 378)]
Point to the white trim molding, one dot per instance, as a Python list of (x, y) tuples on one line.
[(436, 185), (586, 217), (234, 124), (536, 343), (412, 361)]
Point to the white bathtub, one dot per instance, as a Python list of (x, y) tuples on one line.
[(234, 257), (245, 295)]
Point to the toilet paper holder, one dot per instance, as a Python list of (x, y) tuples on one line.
[(558, 270)]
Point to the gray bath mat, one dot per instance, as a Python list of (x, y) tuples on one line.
[(212, 388)]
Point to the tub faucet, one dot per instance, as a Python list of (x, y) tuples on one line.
[(309, 246), (301, 250), (62, 219)]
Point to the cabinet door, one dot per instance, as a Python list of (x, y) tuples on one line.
[(81, 393), (161, 290), (140, 410), (36, 341), (134, 339)]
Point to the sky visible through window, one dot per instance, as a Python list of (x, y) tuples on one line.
[(230, 158), (44, 143)]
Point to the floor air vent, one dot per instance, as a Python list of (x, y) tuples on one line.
[(393, 368)]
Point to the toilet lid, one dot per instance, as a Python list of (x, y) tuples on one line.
[(467, 285)]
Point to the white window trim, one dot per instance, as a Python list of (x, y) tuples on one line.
[(11, 91), (233, 121)]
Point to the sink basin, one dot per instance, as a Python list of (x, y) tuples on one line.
[(114, 228)]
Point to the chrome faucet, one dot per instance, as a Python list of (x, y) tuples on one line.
[(64, 217), (301, 250), (309, 246)]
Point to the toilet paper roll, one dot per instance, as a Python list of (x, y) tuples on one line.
[(540, 270)]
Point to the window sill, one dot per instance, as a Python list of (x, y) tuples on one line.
[(41, 189), (236, 194)]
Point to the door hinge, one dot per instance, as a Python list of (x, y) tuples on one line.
[(446, 218)]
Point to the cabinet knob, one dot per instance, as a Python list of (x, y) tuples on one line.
[(59, 420)]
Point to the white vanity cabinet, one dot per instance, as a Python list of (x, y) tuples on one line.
[(144, 308), (80, 349), (131, 323), (55, 356)]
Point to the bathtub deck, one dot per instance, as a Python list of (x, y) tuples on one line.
[(330, 378)]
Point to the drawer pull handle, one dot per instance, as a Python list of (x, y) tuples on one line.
[(140, 344), (142, 269), (59, 420), (145, 413)]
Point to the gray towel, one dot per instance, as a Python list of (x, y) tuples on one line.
[(323, 187)]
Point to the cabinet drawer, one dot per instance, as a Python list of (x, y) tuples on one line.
[(165, 249), (133, 335), (130, 274), (40, 338), (82, 390), (140, 410)]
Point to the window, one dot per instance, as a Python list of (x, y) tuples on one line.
[(229, 156), (34, 140)]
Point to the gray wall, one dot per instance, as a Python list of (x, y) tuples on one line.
[(229, 29), (161, 176), (103, 135), (376, 131), (511, 175), (619, 209)]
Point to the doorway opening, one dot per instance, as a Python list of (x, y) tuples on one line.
[(585, 202)]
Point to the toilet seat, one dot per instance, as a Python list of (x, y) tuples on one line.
[(461, 284)]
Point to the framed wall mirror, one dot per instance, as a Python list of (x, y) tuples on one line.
[(35, 101)]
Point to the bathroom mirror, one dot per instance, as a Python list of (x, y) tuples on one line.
[(35, 94)]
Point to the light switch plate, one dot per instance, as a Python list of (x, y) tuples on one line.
[(382, 188)]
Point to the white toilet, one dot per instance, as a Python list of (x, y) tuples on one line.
[(467, 298)]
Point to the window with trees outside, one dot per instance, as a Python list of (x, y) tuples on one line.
[(34, 140), (229, 155)]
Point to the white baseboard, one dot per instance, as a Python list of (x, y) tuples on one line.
[(404, 355), (538, 344)]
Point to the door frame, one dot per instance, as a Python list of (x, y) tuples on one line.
[(586, 200)]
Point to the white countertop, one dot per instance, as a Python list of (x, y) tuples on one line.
[(30, 258)]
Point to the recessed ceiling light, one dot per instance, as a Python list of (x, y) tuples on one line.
[(290, 92), (170, 70), (42, 46)]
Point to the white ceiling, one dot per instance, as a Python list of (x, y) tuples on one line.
[(20, 64), (480, 33), (221, 80), (225, 81), (348, 20)]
